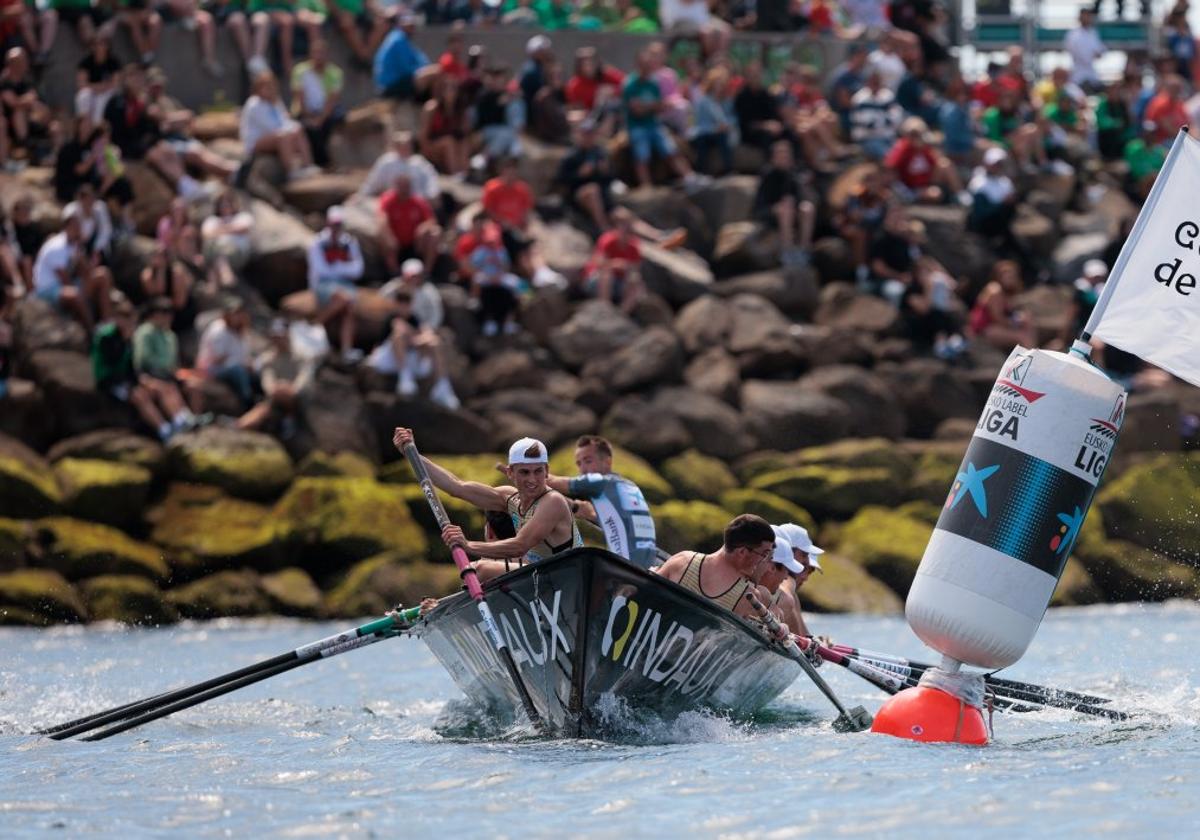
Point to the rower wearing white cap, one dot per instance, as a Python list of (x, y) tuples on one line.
[(542, 517), (807, 559)]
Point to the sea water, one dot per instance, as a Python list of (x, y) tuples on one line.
[(380, 743)]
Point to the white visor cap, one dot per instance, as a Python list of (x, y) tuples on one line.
[(517, 452)]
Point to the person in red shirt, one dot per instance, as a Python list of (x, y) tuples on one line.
[(508, 201), (593, 86), (481, 227), (1166, 109), (451, 61), (614, 271), (410, 228), (921, 170)]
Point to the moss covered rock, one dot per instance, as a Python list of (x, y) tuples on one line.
[(690, 526), (41, 593), (13, 535), (28, 487), (844, 586), (481, 468), (225, 594), (834, 492), (697, 476), (78, 549), (119, 445), (1123, 571), (319, 464), (103, 491), (1153, 504), (934, 474), (759, 463), (20, 617), (889, 545), (291, 591), (379, 583), (335, 521), (203, 531), (1076, 588), (654, 487), (463, 514), (859, 453), (127, 598), (922, 511), (775, 509), (246, 464)]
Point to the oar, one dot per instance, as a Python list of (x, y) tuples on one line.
[(143, 711), (467, 573), (853, 720)]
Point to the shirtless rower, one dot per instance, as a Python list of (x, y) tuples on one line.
[(807, 561), (611, 501), (740, 564), (541, 516)]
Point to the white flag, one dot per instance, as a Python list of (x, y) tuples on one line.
[(1151, 303)]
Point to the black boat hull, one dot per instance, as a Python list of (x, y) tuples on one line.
[(593, 635)]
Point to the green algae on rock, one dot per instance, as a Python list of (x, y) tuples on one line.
[(889, 545), (291, 591), (481, 468), (775, 509), (14, 533), (119, 445), (1123, 571), (690, 526), (463, 514), (318, 464), (835, 492), (698, 476), (1075, 588), (246, 464), (41, 593), (844, 586), (28, 487), (78, 549), (127, 598), (103, 491), (375, 585), (204, 531), (228, 594), (1152, 504)]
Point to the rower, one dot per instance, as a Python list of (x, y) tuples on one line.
[(724, 576), (541, 516), (807, 561), (613, 502)]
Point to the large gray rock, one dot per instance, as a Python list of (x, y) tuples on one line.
[(744, 248), (668, 208), (753, 321), (843, 306), (596, 329), (442, 430), (120, 445), (77, 407), (964, 254), (278, 245), (528, 412), (785, 415), (704, 323), (640, 425), (334, 418), (834, 345), (564, 248), (795, 291), (507, 369), (316, 194), (874, 409), (931, 392), (714, 372), (726, 200), (1073, 251), (715, 428), (25, 415), (678, 276), (39, 326), (833, 260), (247, 464), (654, 357), (152, 195), (541, 313)]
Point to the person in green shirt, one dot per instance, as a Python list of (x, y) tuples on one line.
[(632, 18), (1145, 158), (1114, 121), (362, 24), (316, 98), (1005, 125), (155, 346)]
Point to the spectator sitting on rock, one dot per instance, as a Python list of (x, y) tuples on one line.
[(847, 79), (96, 79), (426, 300), (994, 317), (401, 69), (594, 90), (399, 160), (223, 354), (499, 117), (1007, 125), (860, 220), (144, 25), (335, 266), (168, 278), (362, 24), (508, 201), (176, 124), (692, 18), (317, 86), (27, 237), (781, 204), (77, 13), (643, 101), (413, 352), (632, 19), (894, 254), (922, 174), (410, 228), (156, 351), (959, 135), (280, 16), (95, 224), (715, 126), (547, 118), (231, 15), (26, 115), (1145, 157), (225, 238), (757, 110), (808, 116), (286, 379), (994, 197), (157, 401), (267, 129), (466, 243), (65, 277), (585, 175), (190, 16), (874, 117), (519, 13), (443, 136), (1114, 121), (930, 309), (614, 271), (493, 284)]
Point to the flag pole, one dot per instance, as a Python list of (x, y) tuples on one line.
[(1082, 344)]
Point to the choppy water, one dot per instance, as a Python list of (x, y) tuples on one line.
[(378, 742)]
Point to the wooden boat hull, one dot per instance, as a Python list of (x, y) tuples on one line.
[(597, 639)]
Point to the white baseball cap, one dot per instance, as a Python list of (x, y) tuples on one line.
[(801, 541), (783, 553), (335, 215), (412, 265), (536, 44), (994, 155), (517, 452)]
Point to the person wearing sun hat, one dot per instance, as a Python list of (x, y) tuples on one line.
[(542, 517), (807, 556)]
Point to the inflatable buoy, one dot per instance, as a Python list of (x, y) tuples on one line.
[(1015, 508), (930, 714)]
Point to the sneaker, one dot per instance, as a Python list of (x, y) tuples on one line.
[(352, 356), (443, 394), (490, 328), (406, 384)]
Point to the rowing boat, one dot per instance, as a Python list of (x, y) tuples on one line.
[(596, 638)]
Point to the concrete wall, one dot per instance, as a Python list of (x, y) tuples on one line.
[(179, 57)]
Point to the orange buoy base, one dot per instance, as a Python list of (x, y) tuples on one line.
[(929, 714)]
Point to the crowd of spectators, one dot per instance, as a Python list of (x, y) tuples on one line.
[(927, 134)]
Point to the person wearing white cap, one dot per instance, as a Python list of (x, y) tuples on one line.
[(993, 195), (541, 516), (807, 559), (335, 265)]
